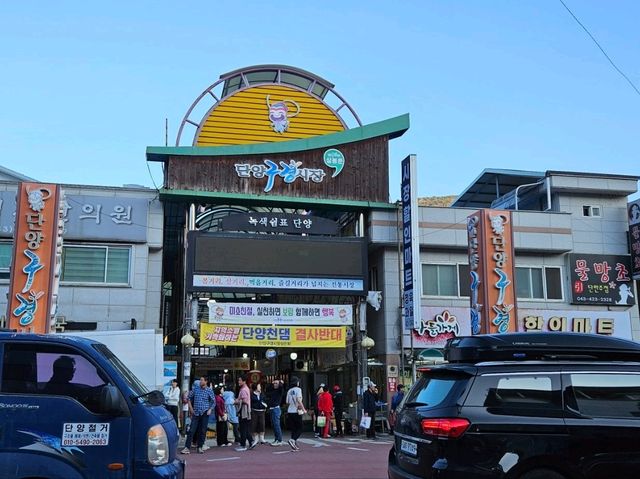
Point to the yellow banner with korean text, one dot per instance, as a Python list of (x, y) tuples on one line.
[(270, 336)]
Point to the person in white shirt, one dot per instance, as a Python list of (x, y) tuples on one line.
[(295, 411), (172, 398)]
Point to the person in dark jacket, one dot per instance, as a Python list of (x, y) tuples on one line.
[(369, 399), (338, 409), (222, 428), (258, 409), (395, 402), (276, 398)]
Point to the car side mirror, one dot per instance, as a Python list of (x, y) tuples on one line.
[(110, 400)]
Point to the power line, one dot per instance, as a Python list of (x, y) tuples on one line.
[(600, 47)]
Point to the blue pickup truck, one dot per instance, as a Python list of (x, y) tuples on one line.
[(69, 409)]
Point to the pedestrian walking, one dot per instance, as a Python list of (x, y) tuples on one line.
[(316, 412), (244, 413), (295, 411), (172, 399), (258, 411), (325, 407), (275, 399), (338, 409), (395, 402), (222, 428), (369, 399), (232, 411), (203, 402)]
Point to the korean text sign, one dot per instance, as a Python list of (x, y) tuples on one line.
[(272, 313), (634, 237), (412, 282), (493, 298), (272, 336), (34, 257), (601, 279)]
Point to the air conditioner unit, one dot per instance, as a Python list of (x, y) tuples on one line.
[(301, 366)]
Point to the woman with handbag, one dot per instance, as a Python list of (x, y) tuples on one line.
[(295, 411), (222, 428), (325, 408)]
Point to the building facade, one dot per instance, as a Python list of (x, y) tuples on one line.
[(112, 256), (573, 269)]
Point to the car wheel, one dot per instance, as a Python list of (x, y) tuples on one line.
[(542, 474)]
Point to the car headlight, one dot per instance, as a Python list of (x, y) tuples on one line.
[(157, 446)]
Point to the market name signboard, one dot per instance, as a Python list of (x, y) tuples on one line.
[(608, 323), (272, 336)]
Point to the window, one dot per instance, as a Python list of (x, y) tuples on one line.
[(445, 280), (439, 280), (590, 210), (607, 395), (515, 392), (96, 264), (5, 259), (51, 370), (539, 282), (433, 388)]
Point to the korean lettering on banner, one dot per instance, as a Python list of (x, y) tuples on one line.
[(601, 279), (412, 283), (493, 299), (266, 336), (289, 172), (34, 257), (634, 238)]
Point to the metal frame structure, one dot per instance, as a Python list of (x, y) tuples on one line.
[(245, 84)]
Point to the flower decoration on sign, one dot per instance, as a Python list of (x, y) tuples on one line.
[(37, 197), (279, 114)]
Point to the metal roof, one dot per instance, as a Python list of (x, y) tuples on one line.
[(492, 184)]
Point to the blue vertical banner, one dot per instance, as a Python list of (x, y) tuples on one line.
[(412, 277)]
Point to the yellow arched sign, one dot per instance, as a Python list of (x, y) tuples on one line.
[(267, 113)]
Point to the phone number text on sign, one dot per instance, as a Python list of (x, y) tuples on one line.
[(85, 434)]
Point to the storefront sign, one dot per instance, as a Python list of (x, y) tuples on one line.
[(607, 323), (232, 364), (601, 279), (89, 217), (34, 258), (279, 223), (634, 238), (439, 324), (276, 336), (392, 384), (410, 244), (493, 299), (276, 314)]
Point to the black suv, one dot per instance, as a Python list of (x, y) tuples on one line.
[(523, 406)]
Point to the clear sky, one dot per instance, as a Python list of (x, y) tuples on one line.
[(86, 86)]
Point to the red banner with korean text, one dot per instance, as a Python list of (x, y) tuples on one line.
[(491, 264), (33, 265)]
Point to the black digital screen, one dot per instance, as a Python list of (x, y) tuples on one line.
[(277, 255)]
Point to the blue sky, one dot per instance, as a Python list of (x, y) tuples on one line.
[(86, 86)]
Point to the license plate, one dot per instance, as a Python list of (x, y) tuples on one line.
[(409, 447)]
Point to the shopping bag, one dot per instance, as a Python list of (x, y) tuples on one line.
[(365, 422), (321, 421)]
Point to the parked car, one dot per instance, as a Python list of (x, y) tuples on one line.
[(523, 406), (70, 409)]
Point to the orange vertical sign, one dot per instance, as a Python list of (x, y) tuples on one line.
[(491, 263), (34, 257)]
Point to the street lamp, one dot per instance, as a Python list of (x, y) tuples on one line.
[(245, 355), (293, 356), (367, 342)]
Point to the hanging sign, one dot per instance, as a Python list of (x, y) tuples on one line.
[(270, 313), (265, 336), (33, 265), (634, 238), (412, 283), (493, 297)]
